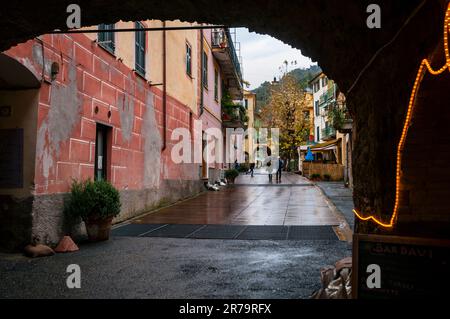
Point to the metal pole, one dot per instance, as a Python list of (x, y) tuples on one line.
[(135, 29)]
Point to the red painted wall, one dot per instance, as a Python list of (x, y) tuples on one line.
[(102, 83)]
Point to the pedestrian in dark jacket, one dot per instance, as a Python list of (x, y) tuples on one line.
[(280, 169)]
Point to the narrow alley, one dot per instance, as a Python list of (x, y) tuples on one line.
[(259, 240)]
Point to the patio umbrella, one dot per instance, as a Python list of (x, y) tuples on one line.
[(309, 156)]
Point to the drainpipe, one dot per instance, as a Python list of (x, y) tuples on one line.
[(164, 98), (201, 72)]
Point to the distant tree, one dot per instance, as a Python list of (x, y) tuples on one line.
[(286, 110), (302, 76)]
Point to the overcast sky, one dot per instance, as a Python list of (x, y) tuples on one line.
[(263, 55)]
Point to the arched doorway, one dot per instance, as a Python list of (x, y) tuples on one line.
[(19, 94)]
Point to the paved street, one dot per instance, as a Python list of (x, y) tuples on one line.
[(175, 268), (252, 201), (171, 253)]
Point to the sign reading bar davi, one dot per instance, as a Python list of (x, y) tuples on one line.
[(408, 267)]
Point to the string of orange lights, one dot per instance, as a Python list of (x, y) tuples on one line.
[(424, 66)]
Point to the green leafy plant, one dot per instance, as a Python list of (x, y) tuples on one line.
[(315, 176), (96, 199), (336, 116), (243, 168), (231, 174)]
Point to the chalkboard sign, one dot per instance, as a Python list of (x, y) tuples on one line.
[(408, 267)]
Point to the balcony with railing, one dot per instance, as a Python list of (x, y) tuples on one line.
[(224, 51), (328, 133)]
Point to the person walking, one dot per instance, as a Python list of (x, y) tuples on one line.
[(271, 164), (252, 168), (280, 169)]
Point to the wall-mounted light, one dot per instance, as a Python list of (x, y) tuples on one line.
[(54, 71)]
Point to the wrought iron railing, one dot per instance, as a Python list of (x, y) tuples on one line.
[(221, 38)]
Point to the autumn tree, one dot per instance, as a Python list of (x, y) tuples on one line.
[(288, 109)]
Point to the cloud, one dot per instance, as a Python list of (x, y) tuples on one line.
[(263, 55)]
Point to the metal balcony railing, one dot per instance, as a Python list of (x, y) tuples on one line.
[(221, 38)]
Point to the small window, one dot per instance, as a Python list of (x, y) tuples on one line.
[(140, 49), (205, 69), (318, 133), (317, 108), (106, 38), (188, 59), (246, 103), (216, 85)]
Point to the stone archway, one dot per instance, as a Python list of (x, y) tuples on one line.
[(333, 33), (19, 94)]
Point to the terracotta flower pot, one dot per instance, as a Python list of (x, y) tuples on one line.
[(98, 229)]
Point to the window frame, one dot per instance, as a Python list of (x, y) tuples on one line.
[(216, 84), (140, 47), (103, 37), (205, 69), (188, 59)]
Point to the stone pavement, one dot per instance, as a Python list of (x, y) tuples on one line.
[(341, 197), (251, 201)]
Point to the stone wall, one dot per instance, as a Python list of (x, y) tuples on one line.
[(50, 223)]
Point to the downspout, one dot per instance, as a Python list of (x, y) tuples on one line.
[(164, 97), (201, 72)]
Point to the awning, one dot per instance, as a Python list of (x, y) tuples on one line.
[(327, 146)]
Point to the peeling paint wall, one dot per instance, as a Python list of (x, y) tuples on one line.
[(93, 87)]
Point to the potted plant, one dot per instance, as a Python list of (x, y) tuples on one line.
[(231, 175), (96, 203), (315, 177), (327, 177)]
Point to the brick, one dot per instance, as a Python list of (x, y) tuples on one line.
[(65, 43), (116, 156), (79, 151), (120, 177), (135, 143), (67, 171), (140, 90), (80, 79), (83, 57), (137, 127), (102, 111), (126, 158), (88, 129), (87, 106), (42, 114), (64, 151), (76, 130), (44, 93), (86, 172), (108, 94), (115, 117), (117, 78), (101, 68), (92, 86), (62, 186)]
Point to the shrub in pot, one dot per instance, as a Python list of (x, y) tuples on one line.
[(231, 175), (96, 203)]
